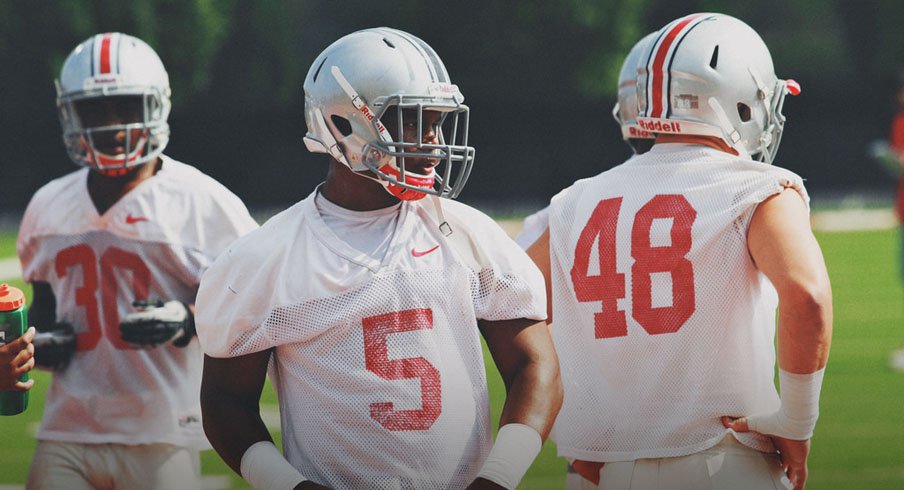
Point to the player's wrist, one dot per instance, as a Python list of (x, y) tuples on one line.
[(515, 449), (265, 468), (799, 411), (54, 347)]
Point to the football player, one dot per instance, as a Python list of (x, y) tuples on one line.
[(664, 275), (114, 252), (640, 141), (367, 299), (625, 114)]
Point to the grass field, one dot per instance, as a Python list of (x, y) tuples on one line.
[(859, 442)]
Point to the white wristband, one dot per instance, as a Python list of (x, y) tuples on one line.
[(516, 447), (265, 468), (796, 418)]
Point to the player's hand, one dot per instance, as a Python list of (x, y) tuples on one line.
[(309, 485), (483, 484), (16, 359), (794, 453), (158, 322), (54, 348)]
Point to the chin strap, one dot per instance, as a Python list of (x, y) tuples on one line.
[(360, 104), (330, 145), (732, 136), (444, 226), (463, 241)]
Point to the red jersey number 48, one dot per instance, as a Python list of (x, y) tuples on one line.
[(609, 286)]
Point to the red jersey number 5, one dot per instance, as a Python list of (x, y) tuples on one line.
[(609, 285), (376, 357)]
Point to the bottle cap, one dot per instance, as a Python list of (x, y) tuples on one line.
[(11, 298)]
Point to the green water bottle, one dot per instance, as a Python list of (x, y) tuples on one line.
[(13, 323)]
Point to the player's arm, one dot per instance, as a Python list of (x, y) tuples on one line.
[(539, 253), (42, 311), (230, 407), (54, 343), (230, 404), (523, 352), (782, 245)]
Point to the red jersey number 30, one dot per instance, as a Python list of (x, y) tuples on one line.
[(101, 274), (609, 285)]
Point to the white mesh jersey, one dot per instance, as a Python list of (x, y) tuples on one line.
[(662, 321), (378, 364), (153, 243), (534, 226)]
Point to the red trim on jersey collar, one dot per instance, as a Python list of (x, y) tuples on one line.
[(710, 141)]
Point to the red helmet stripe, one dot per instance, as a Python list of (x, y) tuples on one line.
[(658, 79), (105, 53)]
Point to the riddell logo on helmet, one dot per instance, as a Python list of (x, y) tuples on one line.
[(370, 116), (101, 80), (635, 132), (657, 126), (367, 114)]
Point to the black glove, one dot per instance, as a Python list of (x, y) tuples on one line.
[(54, 348), (157, 323)]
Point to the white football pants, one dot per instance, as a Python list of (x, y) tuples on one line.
[(728, 465), (73, 466)]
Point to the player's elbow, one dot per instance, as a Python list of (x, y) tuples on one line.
[(552, 381), (809, 301)]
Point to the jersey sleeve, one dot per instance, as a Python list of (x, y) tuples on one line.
[(510, 284), (534, 225), (775, 180), (33, 269), (228, 220), (756, 182), (233, 301)]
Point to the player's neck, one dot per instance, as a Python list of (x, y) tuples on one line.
[(346, 189), (105, 190), (709, 141)]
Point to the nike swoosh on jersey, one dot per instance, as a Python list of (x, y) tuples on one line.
[(425, 252), (131, 220)]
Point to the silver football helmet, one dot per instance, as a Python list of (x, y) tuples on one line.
[(712, 75), (353, 83), (114, 65), (625, 110)]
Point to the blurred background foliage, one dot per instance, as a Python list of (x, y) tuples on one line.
[(539, 77)]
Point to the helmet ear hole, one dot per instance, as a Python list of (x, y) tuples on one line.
[(744, 112), (342, 125), (714, 60)]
